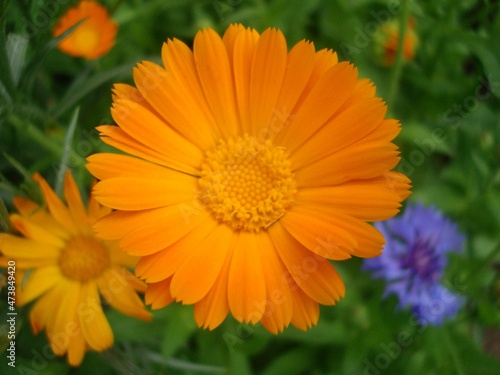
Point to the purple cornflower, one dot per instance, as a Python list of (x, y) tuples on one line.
[(413, 261)]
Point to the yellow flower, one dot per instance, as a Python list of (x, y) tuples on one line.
[(69, 268), (94, 37), (249, 167)]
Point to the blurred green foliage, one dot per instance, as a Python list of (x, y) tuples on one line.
[(448, 102)]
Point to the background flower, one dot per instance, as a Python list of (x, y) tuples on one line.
[(387, 40), (69, 269), (94, 37), (414, 259)]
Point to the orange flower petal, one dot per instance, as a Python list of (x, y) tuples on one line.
[(247, 273), (279, 303), (198, 272), (313, 273), (267, 72), (130, 193), (305, 310), (325, 98), (163, 264), (164, 95), (321, 235), (179, 153), (371, 200), (212, 309), (341, 131), (209, 51), (158, 294), (242, 53)]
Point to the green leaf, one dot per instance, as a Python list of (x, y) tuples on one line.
[(66, 151), (5, 224), (489, 57), (292, 362), (177, 330), (36, 61), (17, 46), (18, 166), (83, 87), (5, 73)]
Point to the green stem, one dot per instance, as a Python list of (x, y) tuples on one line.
[(30, 131), (398, 64), (453, 352), (65, 159), (115, 7)]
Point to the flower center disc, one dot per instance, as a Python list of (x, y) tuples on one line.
[(247, 184), (86, 37), (84, 258)]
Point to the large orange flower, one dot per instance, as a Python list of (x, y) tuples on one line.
[(94, 37), (68, 269), (249, 167)]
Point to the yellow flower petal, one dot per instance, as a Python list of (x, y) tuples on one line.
[(35, 230), (75, 204), (77, 345), (95, 326), (15, 247), (64, 324), (116, 291), (39, 281), (43, 310), (56, 207)]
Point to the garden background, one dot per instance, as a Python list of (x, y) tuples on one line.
[(447, 97)]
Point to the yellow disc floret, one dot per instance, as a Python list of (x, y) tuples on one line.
[(84, 258), (246, 183)]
